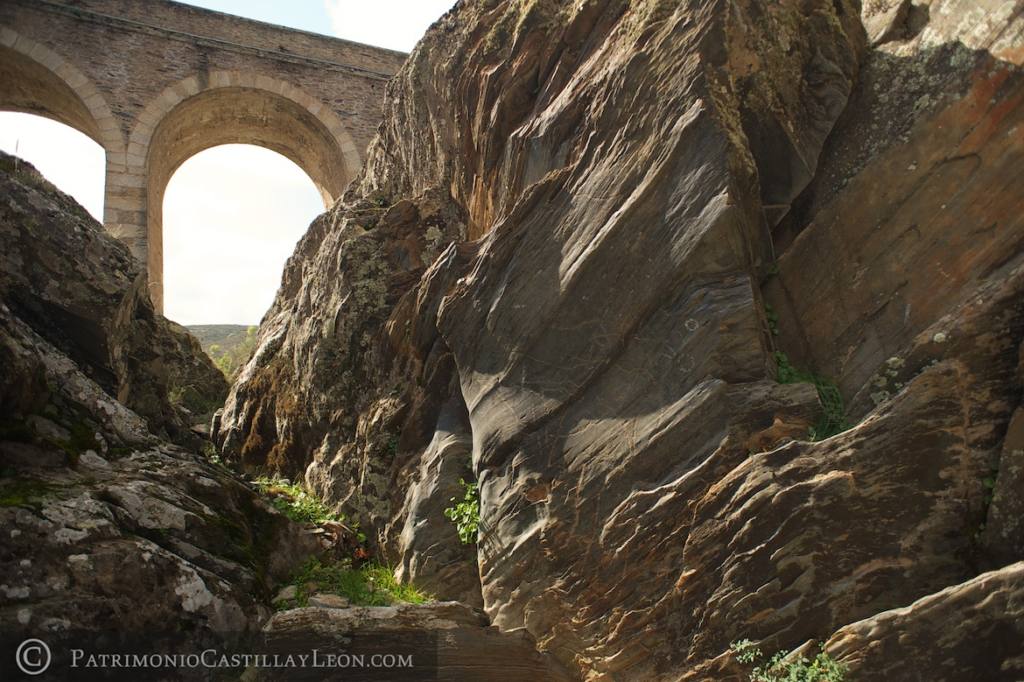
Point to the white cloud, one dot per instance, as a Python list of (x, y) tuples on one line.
[(395, 24)]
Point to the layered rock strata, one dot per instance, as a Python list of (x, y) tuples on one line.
[(589, 240)]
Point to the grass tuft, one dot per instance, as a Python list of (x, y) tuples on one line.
[(22, 492), (833, 418), (294, 502), (369, 585)]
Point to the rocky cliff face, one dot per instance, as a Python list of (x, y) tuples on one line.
[(119, 541), (719, 302), (84, 294), (108, 528)]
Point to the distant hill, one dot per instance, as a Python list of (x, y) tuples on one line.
[(229, 345), (225, 335)]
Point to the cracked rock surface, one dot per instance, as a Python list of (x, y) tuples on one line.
[(108, 528), (582, 238)]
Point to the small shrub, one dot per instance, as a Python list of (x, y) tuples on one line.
[(833, 417), (465, 514), (989, 486), (822, 668), (773, 320), (294, 502), (191, 399), (231, 359), (989, 483), (370, 585)]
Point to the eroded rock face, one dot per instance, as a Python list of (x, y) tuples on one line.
[(342, 304), (155, 544), (917, 642), (567, 230), (916, 202), (1004, 527), (354, 394), (794, 541), (83, 292)]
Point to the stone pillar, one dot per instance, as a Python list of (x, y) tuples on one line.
[(125, 217)]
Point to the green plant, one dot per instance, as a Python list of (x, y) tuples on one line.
[(187, 396), (465, 514), (989, 485), (230, 358), (370, 585), (833, 417), (294, 502), (773, 319), (209, 451), (24, 492), (822, 668), (81, 437)]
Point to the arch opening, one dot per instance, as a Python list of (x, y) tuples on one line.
[(235, 115), (47, 121), (67, 157), (232, 215)]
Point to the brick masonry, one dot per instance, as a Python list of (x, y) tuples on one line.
[(154, 82)]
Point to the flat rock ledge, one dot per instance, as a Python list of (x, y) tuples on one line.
[(442, 640)]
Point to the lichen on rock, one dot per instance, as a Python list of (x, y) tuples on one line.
[(608, 263), (110, 530), (637, 181)]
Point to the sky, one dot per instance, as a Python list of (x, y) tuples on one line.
[(395, 24), (68, 158), (233, 213)]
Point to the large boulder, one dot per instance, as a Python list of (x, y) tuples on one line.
[(443, 641), (83, 292), (916, 642), (111, 534)]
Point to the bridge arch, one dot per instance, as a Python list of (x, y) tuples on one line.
[(225, 107), (36, 80), (131, 75)]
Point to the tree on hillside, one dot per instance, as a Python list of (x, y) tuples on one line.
[(230, 360)]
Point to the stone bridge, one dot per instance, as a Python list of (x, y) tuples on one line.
[(155, 82)]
